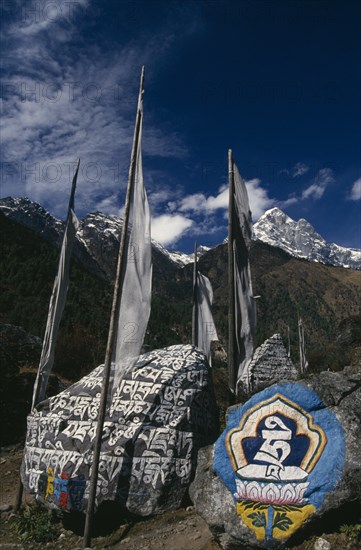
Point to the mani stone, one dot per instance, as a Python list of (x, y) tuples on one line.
[(163, 411), (270, 363), (332, 402)]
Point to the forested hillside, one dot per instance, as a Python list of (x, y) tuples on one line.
[(327, 298), (27, 271)]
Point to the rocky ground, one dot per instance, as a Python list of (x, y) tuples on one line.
[(180, 530)]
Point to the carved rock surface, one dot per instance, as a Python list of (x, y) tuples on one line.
[(161, 414), (270, 364), (287, 457)]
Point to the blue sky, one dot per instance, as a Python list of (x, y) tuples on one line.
[(276, 81)]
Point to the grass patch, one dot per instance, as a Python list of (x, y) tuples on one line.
[(353, 532), (35, 524)]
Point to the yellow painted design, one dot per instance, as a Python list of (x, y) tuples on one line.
[(50, 485), (246, 520), (297, 518)]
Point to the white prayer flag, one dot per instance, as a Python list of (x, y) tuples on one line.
[(57, 301), (206, 329), (136, 280), (245, 306), (301, 338)]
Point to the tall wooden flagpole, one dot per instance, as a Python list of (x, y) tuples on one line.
[(195, 309), (109, 350), (231, 290)]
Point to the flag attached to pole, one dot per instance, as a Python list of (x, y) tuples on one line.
[(136, 277), (57, 300), (244, 302), (131, 297), (289, 341), (206, 329), (301, 338), (203, 327)]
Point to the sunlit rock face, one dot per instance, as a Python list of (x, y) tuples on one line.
[(270, 363), (301, 240)]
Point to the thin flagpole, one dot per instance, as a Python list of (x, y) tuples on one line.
[(195, 309), (231, 290), (300, 343), (37, 384), (301, 336), (289, 341), (109, 350)]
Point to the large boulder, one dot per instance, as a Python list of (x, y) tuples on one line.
[(161, 414), (288, 456), (270, 364)]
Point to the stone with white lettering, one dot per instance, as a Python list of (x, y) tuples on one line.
[(162, 412)]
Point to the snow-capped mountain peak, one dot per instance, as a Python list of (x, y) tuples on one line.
[(98, 235), (300, 239), (181, 258)]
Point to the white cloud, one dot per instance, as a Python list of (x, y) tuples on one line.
[(355, 194), (299, 169), (292, 199), (259, 201), (198, 202), (194, 203), (35, 16), (322, 180), (110, 206), (219, 201), (167, 228), (58, 106)]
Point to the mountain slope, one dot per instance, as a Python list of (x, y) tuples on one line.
[(27, 272), (326, 297), (301, 240), (97, 240)]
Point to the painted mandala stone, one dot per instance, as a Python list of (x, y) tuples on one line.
[(280, 454)]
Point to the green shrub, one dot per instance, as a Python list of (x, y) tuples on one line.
[(35, 524), (353, 532)]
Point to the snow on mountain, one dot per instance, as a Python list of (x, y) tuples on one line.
[(33, 216), (183, 259), (180, 258), (202, 250), (302, 241), (98, 235), (99, 227)]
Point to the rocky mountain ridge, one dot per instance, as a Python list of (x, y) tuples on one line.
[(97, 238), (300, 240), (98, 234)]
